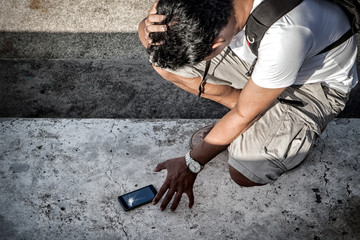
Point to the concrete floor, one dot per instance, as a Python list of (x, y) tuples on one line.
[(60, 178)]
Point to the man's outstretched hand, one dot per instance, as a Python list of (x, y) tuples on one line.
[(179, 180)]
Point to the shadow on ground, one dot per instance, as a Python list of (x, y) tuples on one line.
[(95, 75)]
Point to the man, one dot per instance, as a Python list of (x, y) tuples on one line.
[(276, 113)]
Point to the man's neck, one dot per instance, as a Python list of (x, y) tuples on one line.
[(242, 10)]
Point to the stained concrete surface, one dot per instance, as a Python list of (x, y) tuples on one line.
[(60, 178), (72, 15)]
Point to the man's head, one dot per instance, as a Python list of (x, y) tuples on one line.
[(193, 31)]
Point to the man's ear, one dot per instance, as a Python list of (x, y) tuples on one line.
[(217, 42)]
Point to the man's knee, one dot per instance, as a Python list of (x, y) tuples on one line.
[(240, 179)]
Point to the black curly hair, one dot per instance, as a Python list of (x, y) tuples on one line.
[(192, 27)]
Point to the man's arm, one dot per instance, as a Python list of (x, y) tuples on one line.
[(252, 102), (222, 94)]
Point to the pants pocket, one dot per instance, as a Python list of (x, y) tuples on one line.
[(289, 143)]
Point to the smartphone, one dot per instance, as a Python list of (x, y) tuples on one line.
[(137, 198)]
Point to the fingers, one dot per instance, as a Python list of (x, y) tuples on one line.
[(171, 191), (151, 28), (153, 8), (160, 166), (191, 198), (179, 180), (164, 187), (167, 199), (155, 18), (176, 201), (156, 28), (152, 24), (160, 193)]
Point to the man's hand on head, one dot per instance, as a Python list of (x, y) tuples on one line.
[(151, 24)]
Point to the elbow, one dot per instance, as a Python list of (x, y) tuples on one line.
[(247, 117), (164, 74), (239, 112)]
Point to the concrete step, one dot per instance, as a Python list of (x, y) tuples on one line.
[(60, 45), (72, 15), (86, 29), (103, 89), (60, 178), (94, 89)]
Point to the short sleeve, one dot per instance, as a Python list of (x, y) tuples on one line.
[(281, 55)]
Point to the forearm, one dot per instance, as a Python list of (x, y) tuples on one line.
[(220, 137), (227, 96), (222, 94)]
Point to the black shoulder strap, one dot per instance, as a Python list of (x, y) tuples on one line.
[(338, 42), (352, 10), (263, 16), (203, 81)]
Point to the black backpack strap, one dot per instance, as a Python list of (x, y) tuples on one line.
[(338, 42), (265, 15), (203, 81), (352, 10)]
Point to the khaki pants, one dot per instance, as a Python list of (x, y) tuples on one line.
[(281, 139)]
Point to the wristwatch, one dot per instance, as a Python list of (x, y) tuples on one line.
[(193, 165)]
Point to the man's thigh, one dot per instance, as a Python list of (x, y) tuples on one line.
[(281, 139)]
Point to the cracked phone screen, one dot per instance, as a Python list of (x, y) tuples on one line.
[(138, 197)]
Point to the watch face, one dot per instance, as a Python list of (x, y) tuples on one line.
[(195, 167)]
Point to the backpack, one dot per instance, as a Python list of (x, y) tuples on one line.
[(269, 11)]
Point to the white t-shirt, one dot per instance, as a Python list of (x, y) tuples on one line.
[(288, 52)]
